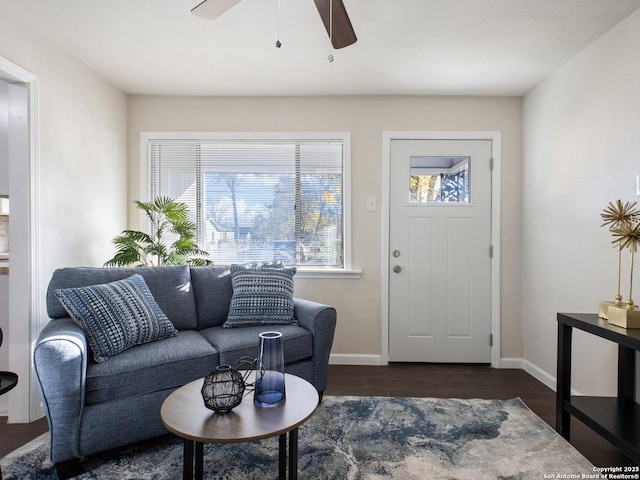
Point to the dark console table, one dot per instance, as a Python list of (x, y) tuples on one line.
[(616, 419)]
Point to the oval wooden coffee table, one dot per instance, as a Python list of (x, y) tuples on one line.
[(184, 414)]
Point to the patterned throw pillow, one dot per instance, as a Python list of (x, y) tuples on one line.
[(116, 316), (261, 296)]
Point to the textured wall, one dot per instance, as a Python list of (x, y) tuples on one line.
[(358, 300), (581, 138), (82, 172)]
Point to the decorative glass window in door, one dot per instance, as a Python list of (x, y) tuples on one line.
[(438, 179)]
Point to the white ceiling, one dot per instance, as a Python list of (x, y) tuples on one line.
[(442, 47)]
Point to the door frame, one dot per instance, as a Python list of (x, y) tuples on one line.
[(25, 296), (496, 181)]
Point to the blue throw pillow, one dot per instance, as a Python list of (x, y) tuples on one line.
[(116, 316), (261, 296)]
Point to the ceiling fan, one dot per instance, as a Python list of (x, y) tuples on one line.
[(332, 12)]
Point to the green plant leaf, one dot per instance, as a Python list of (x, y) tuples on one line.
[(167, 216)]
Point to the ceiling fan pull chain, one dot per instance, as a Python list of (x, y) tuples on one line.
[(330, 57), (278, 42)]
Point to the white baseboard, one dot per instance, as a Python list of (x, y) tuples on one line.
[(544, 377), (355, 359), (539, 374), (511, 363)]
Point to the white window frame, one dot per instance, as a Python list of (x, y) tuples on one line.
[(347, 271)]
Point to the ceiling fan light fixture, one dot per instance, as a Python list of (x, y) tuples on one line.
[(332, 12), (212, 10)]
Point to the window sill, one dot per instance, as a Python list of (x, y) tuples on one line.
[(327, 273)]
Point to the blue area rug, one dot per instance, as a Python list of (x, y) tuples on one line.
[(372, 438)]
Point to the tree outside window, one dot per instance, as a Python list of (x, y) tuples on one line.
[(258, 200)]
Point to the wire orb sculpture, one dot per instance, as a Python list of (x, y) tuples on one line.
[(224, 387)]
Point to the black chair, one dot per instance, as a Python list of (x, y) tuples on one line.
[(8, 380)]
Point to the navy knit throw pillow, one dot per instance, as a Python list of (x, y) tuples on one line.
[(116, 316), (261, 296)]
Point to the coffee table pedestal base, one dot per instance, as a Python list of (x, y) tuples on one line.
[(193, 466)]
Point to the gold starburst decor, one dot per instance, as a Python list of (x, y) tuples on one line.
[(623, 220)]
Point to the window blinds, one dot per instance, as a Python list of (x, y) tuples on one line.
[(257, 199)]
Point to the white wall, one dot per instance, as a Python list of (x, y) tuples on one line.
[(358, 332), (82, 168), (581, 151)]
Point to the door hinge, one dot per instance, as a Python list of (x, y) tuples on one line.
[(490, 251), (491, 164), (491, 339)]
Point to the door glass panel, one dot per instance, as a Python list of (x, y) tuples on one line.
[(440, 179)]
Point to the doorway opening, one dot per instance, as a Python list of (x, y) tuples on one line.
[(20, 161)]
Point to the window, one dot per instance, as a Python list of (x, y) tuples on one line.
[(439, 179), (258, 197)]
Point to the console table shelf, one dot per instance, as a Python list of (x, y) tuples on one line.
[(617, 419)]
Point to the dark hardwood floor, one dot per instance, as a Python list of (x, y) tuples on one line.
[(420, 380), (14, 435)]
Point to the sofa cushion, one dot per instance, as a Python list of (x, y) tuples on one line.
[(212, 291), (116, 316), (152, 367), (261, 296), (235, 343), (169, 285)]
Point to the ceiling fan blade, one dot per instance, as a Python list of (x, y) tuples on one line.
[(212, 9), (343, 34)]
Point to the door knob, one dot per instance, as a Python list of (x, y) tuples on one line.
[(397, 268)]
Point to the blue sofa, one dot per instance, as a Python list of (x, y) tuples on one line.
[(93, 407)]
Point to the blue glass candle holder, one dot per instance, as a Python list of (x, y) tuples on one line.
[(269, 388)]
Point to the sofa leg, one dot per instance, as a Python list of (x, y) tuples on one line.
[(68, 468), (320, 394)]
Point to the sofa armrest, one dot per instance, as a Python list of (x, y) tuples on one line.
[(320, 320), (60, 362)]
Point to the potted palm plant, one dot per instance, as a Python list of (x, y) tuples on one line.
[(169, 221)]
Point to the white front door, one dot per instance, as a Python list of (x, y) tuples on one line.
[(439, 255)]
